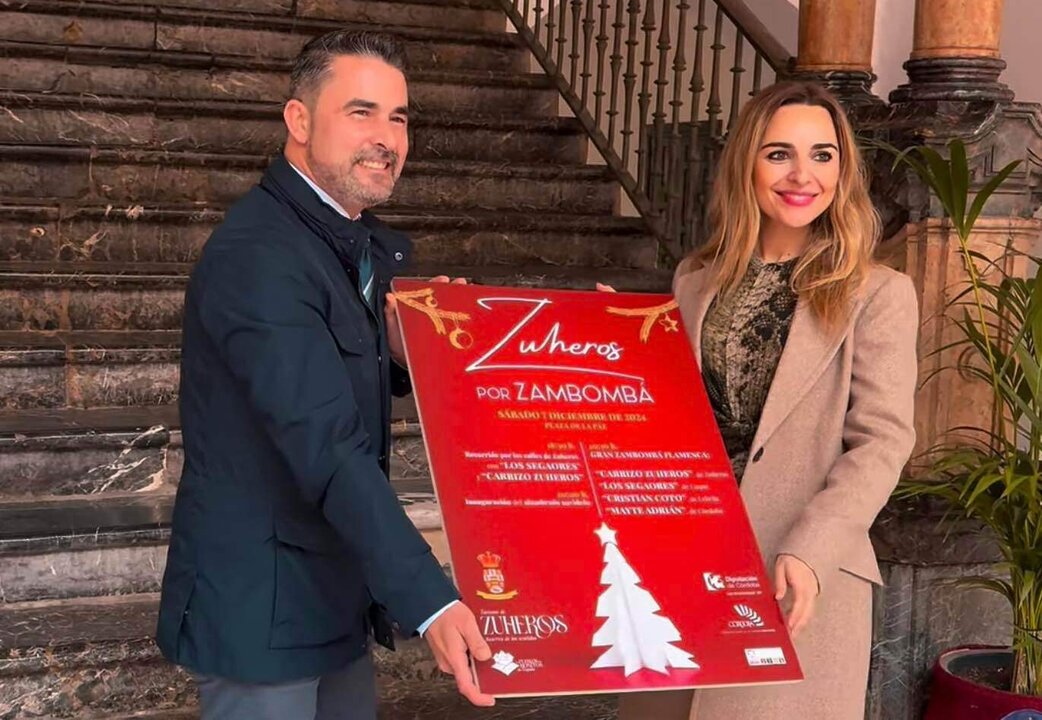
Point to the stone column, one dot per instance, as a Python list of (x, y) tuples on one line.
[(953, 86), (955, 53), (835, 47)]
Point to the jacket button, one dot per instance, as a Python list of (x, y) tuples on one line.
[(398, 256), (758, 455)]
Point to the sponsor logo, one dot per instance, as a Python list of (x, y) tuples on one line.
[(731, 584), (747, 618), (757, 657), (507, 664), (504, 663), (714, 582)]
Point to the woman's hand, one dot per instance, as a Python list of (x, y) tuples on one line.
[(795, 578)]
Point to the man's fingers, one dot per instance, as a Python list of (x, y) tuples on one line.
[(450, 636), (601, 287), (391, 307), (456, 656), (470, 691), (475, 643), (445, 279), (464, 679)]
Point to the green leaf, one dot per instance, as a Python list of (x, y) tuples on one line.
[(1029, 368), (960, 175), (983, 485), (900, 156), (939, 178), (921, 171), (988, 264), (1033, 314), (999, 586), (986, 192)]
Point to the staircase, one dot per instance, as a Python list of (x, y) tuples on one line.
[(125, 130)]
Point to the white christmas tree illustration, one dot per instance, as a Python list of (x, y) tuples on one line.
[(635, 635)]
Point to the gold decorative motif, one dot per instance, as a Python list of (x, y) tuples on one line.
[(651, 315), (458, 338)]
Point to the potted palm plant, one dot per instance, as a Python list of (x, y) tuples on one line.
[(991, 475)]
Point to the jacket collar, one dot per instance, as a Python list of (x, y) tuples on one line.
[(346, 237)]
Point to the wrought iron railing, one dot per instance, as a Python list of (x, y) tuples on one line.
[(647, 79)]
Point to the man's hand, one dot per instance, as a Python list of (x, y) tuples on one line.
[(794, 577), (394, 330), (451, 636), (604, 288)]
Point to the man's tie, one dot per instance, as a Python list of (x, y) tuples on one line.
[(366, 279)]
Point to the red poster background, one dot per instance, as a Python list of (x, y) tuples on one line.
[(603, 421)]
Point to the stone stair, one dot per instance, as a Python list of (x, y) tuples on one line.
[(125, 131)]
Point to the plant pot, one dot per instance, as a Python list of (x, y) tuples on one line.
[(955, 696)]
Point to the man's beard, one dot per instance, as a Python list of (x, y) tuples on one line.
[(344, 187)]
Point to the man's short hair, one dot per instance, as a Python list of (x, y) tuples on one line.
[(313, 62)]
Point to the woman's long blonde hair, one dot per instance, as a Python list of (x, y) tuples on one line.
[(843, 238)]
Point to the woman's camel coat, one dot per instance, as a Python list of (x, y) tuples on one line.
[(835, 432)]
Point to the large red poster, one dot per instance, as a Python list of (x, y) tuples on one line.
[(593, 521)]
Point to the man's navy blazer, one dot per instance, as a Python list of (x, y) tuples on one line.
[(289, 546)]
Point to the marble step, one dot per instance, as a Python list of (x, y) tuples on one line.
[(438, 703), (173, 75), (82, 547), (257, 128), (466, 14), (68, 452), (165, 75), (131, 176), (38, 232), (93, 658), (443, 43), (191, 712), (337, 9), (141, 296), (89, 370), (111, 543)]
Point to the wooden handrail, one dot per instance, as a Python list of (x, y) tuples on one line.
[(656, 84), (758, 34)]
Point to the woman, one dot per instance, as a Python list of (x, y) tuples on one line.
[(808, 353)]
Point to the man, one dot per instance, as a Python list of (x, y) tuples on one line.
[(289, 547)]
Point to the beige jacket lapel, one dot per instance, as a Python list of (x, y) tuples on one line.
[(694, 295), (807, 353)]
